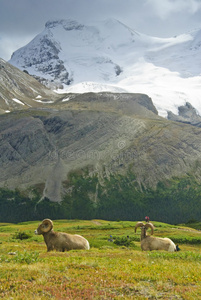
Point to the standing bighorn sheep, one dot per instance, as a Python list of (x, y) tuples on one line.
[(60, 241), (149, 243)]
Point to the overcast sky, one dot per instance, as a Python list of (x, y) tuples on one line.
[(22, 20)]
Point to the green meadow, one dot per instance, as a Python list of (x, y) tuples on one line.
[(114, 268)]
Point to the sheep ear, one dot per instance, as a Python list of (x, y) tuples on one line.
[(47, 225), (139, 224)]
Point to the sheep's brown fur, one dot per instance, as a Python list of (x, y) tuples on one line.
[(60, 241), (149, 243)]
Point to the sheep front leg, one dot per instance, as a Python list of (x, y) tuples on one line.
[(50, 248)]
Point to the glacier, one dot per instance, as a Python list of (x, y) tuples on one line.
[(109, 56)]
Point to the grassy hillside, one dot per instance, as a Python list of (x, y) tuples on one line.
[(109, 270)]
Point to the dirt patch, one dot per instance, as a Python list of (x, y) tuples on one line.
[(96, 222)]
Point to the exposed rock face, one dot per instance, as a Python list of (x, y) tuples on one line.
[(187, 114), (46, 60), (107, 134)]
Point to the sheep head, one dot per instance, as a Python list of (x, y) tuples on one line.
[(145, 227), (44, 227)]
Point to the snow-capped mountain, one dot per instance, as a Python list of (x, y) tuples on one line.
[(109, 56)]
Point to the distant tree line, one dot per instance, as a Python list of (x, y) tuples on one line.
[(119, 198)]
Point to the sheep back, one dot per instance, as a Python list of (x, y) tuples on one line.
[(152, 243), (61, 241)]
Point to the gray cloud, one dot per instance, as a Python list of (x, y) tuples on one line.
[(22, 20)]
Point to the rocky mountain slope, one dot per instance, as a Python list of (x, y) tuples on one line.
[(53, 145), (18, 90), (186, 114), (104, 133), (109, 56)]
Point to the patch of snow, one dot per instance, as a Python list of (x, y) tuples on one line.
[(18, 101), (90, 86), (65, 99), (44, 102), (33, 89)]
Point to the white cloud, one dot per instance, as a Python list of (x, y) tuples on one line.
[(163, 9), (6, 47), (9, 44)]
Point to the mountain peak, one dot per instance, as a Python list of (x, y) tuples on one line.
[(111, 55)]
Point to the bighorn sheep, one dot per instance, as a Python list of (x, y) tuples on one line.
[(149, 243), (60, 241)]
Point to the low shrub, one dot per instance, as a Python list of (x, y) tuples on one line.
[(124, 241), (186, 240), (21, 235)]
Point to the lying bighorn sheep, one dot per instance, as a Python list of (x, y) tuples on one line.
[(149, 243), (60, 241)]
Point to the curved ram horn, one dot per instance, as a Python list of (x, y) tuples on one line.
[(150, 225), (47, 225), (139, 224)]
